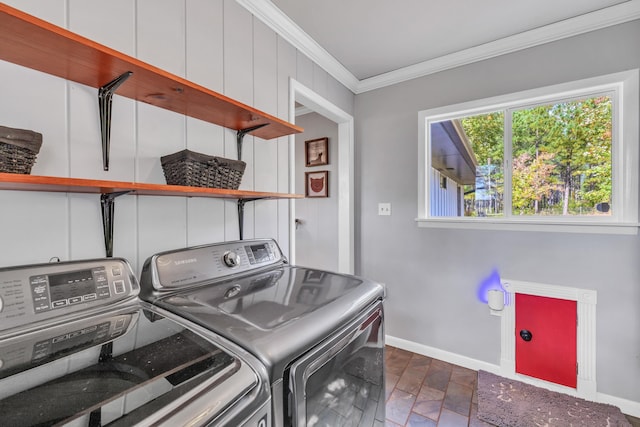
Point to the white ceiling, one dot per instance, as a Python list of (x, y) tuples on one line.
[(372, 43)]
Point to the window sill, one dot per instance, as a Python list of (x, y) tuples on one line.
[(554, 226)]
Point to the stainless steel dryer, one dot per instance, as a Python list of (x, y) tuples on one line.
[(319, 334), (78, 348)]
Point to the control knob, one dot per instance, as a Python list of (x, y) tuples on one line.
[(231, 259)]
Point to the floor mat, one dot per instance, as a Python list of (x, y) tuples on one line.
[(510, 403)]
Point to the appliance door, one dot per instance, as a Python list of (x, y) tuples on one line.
[(119, 368), (341, 382)]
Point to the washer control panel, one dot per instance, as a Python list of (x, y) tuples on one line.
[(184, 267), (33, 293)]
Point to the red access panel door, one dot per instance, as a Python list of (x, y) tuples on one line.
[(546, 339)]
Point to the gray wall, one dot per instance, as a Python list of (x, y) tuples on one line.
[(215, 43), (432, 274), (317, 237)]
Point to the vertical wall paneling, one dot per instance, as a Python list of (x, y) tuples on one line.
[(37, 101), (320, 81), (113, 27), (304, 71), (161, 41), (204, 65), (161, 34), (204, 43), (215, 43), (36, 225), (51, 10), (238, 84), (265, 59), (287, 63), (340, 95)]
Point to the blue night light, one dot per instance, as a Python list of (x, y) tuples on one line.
[(490, 282)]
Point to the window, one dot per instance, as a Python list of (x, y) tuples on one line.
[(563, 155)]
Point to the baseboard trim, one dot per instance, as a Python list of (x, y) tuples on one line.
[(628, 407), (446, 356)]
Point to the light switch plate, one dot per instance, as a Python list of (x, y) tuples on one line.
[(384, 208)]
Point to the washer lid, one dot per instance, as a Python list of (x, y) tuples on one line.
[(123, 367), (277, 314)]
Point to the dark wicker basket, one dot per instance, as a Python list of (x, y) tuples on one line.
[(18, 149), (200, 170)]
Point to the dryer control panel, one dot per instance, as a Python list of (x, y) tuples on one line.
[(32, 293), (191, 266)]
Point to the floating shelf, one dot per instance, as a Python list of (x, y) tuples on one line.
[(31, 42), (10, 181)]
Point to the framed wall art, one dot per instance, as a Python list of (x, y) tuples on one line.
[(316, 184), (316, 152)]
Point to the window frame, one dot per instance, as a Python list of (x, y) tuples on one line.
[(624, 89)]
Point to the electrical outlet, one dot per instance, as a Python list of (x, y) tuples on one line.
[(384, 208)]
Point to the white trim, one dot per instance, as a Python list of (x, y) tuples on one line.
[(301, 111), (275, 19), (599, 19), (628, 407), (346, 178), (624, 85), (630, 229), (446, 356)]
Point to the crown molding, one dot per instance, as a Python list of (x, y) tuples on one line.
[(603, 18), (273, 17)]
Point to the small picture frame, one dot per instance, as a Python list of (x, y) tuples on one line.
[(316, 184), (316, 152)]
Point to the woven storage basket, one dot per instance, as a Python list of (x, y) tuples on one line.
[(18, 149), (200, 170)]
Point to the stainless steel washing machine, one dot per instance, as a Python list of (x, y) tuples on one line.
[(319, 334), (79, 348)]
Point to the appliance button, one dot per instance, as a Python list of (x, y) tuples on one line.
[(59, 303), (119, 286), (1, 304), (75, 300), (116, 271), (231, 259)]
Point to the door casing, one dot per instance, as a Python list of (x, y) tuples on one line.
[(307, 97)]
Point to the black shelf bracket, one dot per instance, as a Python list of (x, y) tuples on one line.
[(241, 203), (107, 204), (105, 93), (240, 137)]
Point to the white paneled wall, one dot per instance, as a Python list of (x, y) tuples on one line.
[(215, 43), (444, 201)]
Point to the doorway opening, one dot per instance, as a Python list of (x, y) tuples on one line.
[(344, 177)]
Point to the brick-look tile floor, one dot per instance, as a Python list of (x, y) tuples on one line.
[(426, 392)]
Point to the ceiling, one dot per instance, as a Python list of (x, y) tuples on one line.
[(372, 43)]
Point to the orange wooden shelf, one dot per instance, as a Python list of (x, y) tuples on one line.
[(10, 181), (31, 42)]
